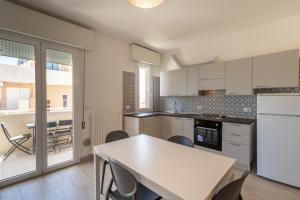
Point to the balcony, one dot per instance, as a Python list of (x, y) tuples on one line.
[(19, 162)]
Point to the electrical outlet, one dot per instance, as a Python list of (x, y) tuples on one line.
[(247, 110)]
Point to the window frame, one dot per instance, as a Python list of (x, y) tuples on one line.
[(137, 88)]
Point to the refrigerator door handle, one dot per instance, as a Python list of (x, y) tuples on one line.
[(275, 114)]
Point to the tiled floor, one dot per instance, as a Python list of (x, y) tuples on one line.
[(76, 183), (19, 162)]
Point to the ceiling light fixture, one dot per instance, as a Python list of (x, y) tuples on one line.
[(146, 3)]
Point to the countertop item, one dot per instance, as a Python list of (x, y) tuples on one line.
[(150, 159), (235, 120)]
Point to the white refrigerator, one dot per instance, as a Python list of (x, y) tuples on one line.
[(278, 138)]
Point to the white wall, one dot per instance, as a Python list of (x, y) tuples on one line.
[(272, 37), (103, 78), (26, 21)]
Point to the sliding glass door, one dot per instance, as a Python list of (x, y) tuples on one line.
[(39, 115), (20, 115), (59, 63)]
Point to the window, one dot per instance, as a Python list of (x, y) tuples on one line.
[(145, 86), (65, 101), (52, 66), (17, 98)]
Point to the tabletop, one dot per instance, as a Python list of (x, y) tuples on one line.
[(184, 172)]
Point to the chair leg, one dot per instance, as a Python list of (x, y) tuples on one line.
[(108, 189), (18, 145), (240, 197), (8, 153), (103, 175)]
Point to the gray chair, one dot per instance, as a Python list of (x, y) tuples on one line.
[(127, 186), (16, 141), (179, 139), (111, 137), (232, 191), (52, 142), (65, 132)]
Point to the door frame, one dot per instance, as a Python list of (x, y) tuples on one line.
[(77, 94), (7, 35), (40, 46)]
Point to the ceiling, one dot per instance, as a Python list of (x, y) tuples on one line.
[(174, 24)]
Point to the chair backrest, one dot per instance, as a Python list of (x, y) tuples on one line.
[(6, 133), (116, 135), (124, 181), (179, 139), (232, 190), (52, 124), (68, 122)]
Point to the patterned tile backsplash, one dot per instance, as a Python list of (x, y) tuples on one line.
[(128, 92), (218, 103)]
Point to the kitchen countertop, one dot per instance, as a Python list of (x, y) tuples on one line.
[(234, 120)]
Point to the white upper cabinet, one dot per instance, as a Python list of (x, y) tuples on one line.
[(239, 77), (212, 76), (180, 82), (166, 83), (276, 70), (192, 84)]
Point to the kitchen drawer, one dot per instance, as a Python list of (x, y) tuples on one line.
[(236, 128), (239, 137), (235, 150)]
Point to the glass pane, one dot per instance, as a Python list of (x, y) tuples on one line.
[(59, 106), (17, 109), (144, 86)]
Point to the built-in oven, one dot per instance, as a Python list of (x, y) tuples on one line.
[(208, 133)]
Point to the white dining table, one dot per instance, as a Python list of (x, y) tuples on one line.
[(171, 170)]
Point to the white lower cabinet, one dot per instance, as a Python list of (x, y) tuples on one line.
[(151, 126), (132, 125), (170, 126), (237, 143), (147, 125), (188, 128)]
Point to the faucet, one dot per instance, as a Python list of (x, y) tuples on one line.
[(175, 107)]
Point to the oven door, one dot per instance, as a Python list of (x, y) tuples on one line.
[(208, 137)]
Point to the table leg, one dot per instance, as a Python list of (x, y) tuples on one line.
[(97, 172)]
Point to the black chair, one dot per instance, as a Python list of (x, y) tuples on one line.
[(16, 142), (52, 135), (64, 132), (127, 186), (232, 191), (111, 137), (179, 139)]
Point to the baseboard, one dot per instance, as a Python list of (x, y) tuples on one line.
[(87, 158)]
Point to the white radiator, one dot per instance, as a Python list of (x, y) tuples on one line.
[(102, 123)]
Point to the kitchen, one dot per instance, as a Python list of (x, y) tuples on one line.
[(216, 105), (192, 100)]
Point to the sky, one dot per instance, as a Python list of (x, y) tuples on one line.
[(8, 60)]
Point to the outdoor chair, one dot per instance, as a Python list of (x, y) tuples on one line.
[(16, 141)]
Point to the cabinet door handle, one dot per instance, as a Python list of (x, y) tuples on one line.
[(232, 93), (235, 144), (260, 86), (235, 124), (235, 134)]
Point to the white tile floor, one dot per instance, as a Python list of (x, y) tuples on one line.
[(20, 163)]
